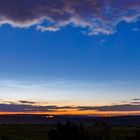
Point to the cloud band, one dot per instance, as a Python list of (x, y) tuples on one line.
[(97, 16)]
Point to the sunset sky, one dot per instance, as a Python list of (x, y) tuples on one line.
[(70, 57)]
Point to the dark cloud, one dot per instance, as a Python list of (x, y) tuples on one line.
[(26, 102), (8, 102), (124, 107), (135, 103), (136, 99), (25, 108), (97, 16)]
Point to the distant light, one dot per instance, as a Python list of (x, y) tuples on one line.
[(50, 117)]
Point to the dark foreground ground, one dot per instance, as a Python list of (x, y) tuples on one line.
[(47, 132), (72, 129)]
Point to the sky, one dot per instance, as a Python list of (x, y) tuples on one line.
[(70, 57)]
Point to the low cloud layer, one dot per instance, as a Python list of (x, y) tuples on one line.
[(27, 106), (97, 16), (124, 107)]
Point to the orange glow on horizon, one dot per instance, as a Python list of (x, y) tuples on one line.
[(76, 112)]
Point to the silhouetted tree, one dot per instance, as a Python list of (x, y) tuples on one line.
[(68, 131)]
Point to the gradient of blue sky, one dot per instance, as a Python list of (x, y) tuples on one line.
[(81, 67)]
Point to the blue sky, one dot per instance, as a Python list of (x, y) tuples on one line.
[(71, 57), (69, 54), (72, 62)]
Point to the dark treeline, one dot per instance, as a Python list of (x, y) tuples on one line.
[(99, 131), (69, 131)]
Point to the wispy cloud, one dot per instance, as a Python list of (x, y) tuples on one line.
[(123, 107), (135, 103), (48, 28), (41, 84), (97, 16), (136, 99), (135, 29), (29, 84), (26, 102)]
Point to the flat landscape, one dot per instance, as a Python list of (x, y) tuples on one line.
[(88, 128)]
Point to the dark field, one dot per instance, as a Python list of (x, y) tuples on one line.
[(24, 132), (98, 131), (40, 127)]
